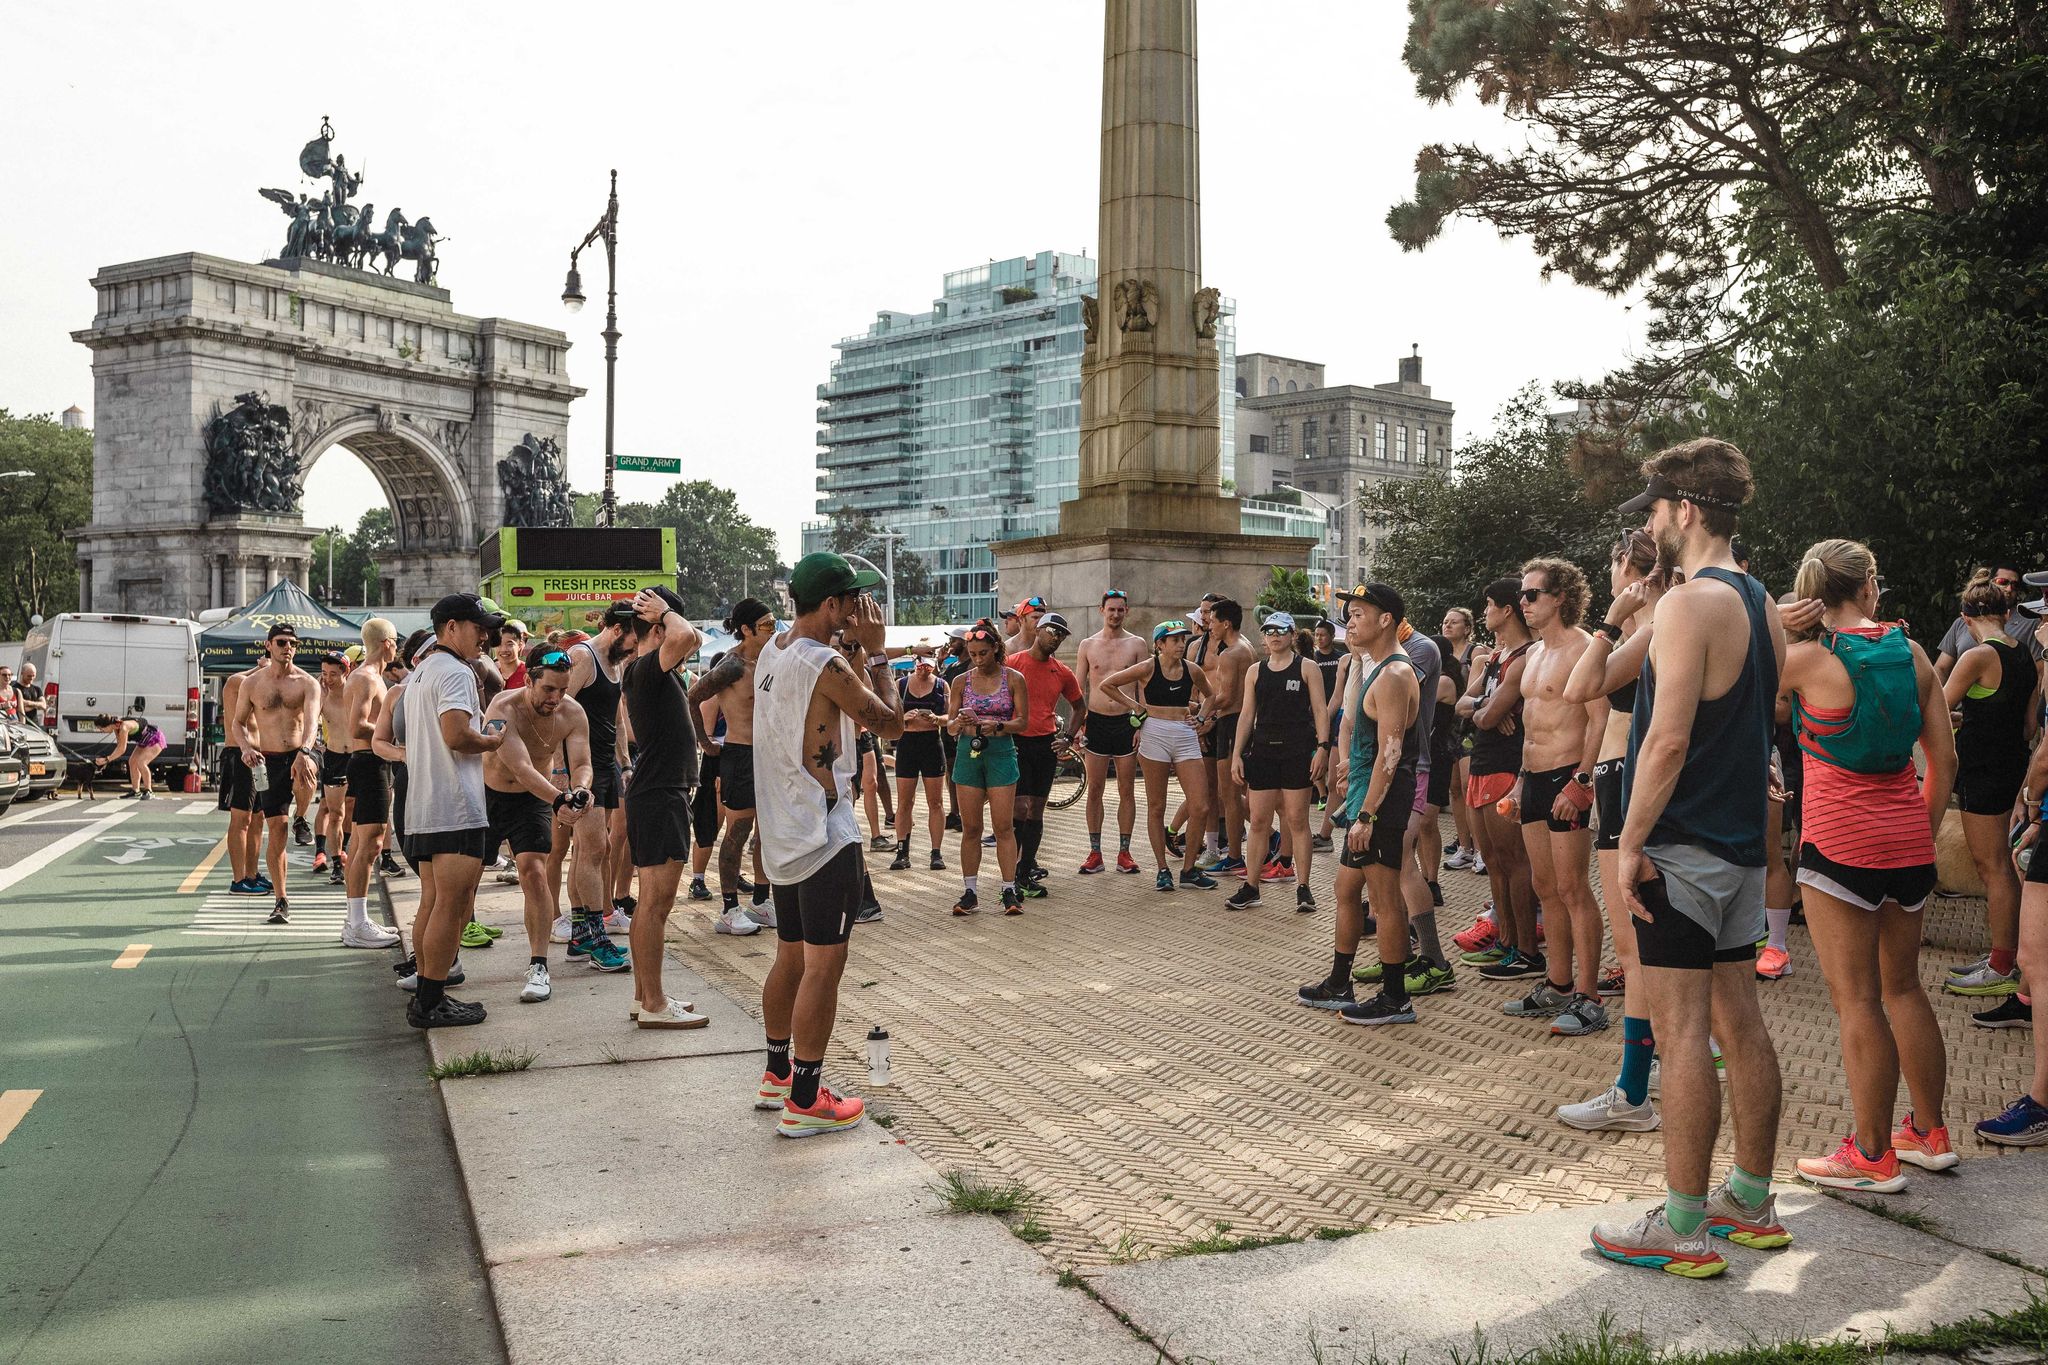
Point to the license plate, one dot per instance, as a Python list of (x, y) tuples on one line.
[(36, 770)]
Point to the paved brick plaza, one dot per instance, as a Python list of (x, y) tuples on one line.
[(1137, 1059)]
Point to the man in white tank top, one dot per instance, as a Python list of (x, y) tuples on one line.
[(806, 703)]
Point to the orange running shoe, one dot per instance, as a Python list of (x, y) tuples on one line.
[(774, 1093), (1125, 863), (1848, 1169), (1483, 934), (1093, 864), (830, 1114), (1773, 964), (1928, 1150)]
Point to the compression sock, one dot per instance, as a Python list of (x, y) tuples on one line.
[(1752, 1190), (1779, 921), (1432, 948), (1684, 1212), (1029, 835), (2002, 960), (803, 1081), (1638, 1050), (778, 1058), (319, 843), (1095, 841)]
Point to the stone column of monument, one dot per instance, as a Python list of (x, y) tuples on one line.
[(1150, 516)]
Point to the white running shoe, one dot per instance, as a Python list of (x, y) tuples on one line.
[(368, 935), (1611, 1112), (1478, 865), (562, 931), (537, 987), (411, 983), (617, 922), (735, 921), (1656, 1078), (676, 1014), (763, 915)]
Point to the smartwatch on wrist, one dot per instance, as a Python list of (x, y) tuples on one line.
[(1583, 779), (878, 661), (1608, 631)]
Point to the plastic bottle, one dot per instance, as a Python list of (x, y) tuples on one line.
[(878, 1056)]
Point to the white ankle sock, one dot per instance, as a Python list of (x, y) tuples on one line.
[(973, 882), (1779, 920), (358, 912)]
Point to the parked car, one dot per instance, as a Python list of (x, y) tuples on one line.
[(45, 761), (137, 667), (13, 778)]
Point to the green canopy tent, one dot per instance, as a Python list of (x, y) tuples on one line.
[(237, 643)]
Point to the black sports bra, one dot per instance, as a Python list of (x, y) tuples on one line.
[(1623, 698), (1161, 690)]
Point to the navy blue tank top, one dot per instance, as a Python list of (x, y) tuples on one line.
[(1719, 802)]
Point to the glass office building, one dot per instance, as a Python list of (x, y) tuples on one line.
[(962, 426)]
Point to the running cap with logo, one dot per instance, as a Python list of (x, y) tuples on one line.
[(1279, 623), (1054, 621), (1661, 487), (282, 631), (1030, 606), (823, 574), (468, 606), (2039, 606), (1378, 595), (1166, 628)]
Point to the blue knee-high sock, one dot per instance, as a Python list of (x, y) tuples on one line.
[(1638, 1049)]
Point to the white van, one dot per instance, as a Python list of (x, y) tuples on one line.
[(99, 663)]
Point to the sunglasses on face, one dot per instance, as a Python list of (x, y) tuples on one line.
[(1529, 595)]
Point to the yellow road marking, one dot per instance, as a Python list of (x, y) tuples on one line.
[(14, 1105), (198, 874), (131, 956)]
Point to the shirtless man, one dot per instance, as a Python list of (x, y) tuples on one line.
[(543, 730), (1560, 745), (1229, 663), (245, 831), (333, 760), (1111, 739), (276, 716), (731, 682), (368, 779)]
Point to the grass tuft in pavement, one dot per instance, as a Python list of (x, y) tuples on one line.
[(1218, 1239), (1028, 1229), (965, 1192), (1905, 1218), (482, 1063)]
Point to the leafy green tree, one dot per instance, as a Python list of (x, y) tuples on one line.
[(1509, 498), (721, 556), (1289, 590), (38, 567), (357, 577)]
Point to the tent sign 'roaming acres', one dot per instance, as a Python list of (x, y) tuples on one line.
[(647, 464)]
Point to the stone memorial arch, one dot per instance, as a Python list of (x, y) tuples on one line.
[(194, 356)]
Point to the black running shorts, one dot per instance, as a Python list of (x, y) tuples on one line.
[(333, 768), (450, 843), (1036, 764), (1384, 849), (1282, 766), (604, 782), (1539, 794), (520, 820), (234, 774), (704, 802), (736, 777), (1221, 738), (274, 803), (919, 755), (369, 787), (1991, 788), (820, 908), (1112, 736), (1609, 777), (658, 825)]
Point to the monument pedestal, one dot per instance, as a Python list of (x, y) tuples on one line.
[(183, 569), (1164, 573)]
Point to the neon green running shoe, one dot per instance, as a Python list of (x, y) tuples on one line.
[(474, 935), (1485, 957)]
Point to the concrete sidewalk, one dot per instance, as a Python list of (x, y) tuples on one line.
[(632, 1205)]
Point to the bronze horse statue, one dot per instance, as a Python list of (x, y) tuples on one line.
[(417, 244)]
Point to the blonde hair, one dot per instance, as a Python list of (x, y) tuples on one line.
[(376, 631), (1983, 597), (1835, 571)]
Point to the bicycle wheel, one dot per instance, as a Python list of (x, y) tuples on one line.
[(1068, 782)]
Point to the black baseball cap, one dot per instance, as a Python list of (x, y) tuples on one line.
[(1378, 595), (468, 606), (282, 631)]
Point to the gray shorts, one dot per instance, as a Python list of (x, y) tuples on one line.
[(1721, 902)]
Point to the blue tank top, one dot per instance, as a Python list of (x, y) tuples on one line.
[(1719, 802)]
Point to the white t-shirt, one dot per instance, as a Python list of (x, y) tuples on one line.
[(444, 789), (800, 832)]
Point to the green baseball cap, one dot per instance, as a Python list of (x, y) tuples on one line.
[(824, 574), (1173, 627)]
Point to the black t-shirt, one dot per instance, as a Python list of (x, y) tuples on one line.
[(660, 711)]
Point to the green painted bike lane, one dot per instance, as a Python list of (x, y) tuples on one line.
[(235, 1154)]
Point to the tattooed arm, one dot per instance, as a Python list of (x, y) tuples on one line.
[(876, 703), (729, 670)]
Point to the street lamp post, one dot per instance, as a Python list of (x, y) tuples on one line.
[(332, 532), (606, 231), (889, 539)]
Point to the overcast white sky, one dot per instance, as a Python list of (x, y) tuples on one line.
[(785, 171)]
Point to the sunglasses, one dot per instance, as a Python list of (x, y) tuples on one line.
[(1531, 594), (1880, 583), (1276, 630), (979, 634), (1116, 592), (553, 657)]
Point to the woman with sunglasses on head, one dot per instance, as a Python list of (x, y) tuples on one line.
[(1862, 695), (1279, 750), (989, 708), (1169, 745), (920, 758), (1991, 692)]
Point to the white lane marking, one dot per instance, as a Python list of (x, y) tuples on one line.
[(50, 853), (35, 811)]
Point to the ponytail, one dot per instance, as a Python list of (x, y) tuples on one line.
[(1835, 571)]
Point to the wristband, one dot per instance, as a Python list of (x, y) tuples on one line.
[(1609, 632), (561, 799), (878, 661), (1579, 796)]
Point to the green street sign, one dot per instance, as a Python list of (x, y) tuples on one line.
[(647, 464)]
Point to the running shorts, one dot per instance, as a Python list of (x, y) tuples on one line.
[(1111, 735), (1866, 888), (1277, 766), (704, 801), (1609, 779), (1221, 738), (919, 754), (1423, 784), (234, 776), (1703, 909), (1036, 764), (1383, 849), (520, 820), (736, 777), (369, 787), (333, 768), (658, 825), (273, 804), (1169, 741), (820, 908), (605, 789), (995, 766), (1443, 770), (1539, 796), (1991, 789), (452, 843), (1485, 792), (2037, 866)]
